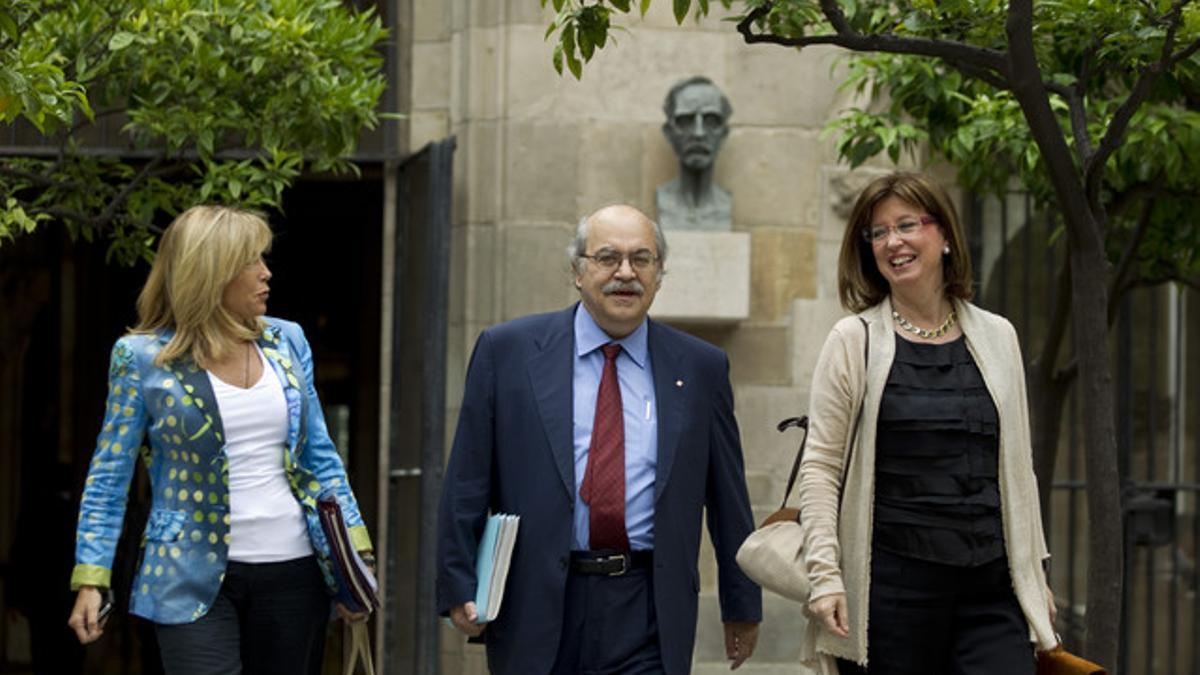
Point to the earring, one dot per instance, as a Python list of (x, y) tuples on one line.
[(946, 249)]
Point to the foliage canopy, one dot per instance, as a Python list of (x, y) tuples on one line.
[(215, 100), (964, 112)]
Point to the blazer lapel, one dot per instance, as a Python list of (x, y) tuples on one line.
[(282, 361), (670, 383), (198, 395), (551, 371)]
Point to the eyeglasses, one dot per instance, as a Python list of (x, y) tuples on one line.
[(904, 228), (609, 260)]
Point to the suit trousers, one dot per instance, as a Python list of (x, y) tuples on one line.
[(933, 619), (609, 626), (267, 618)]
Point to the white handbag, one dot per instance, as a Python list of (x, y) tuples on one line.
[(773, 555)]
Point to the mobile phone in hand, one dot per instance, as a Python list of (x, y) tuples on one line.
[(106, 608)]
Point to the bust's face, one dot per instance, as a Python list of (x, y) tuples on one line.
[(696, 127)]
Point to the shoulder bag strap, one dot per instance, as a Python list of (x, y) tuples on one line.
[(802, 422)]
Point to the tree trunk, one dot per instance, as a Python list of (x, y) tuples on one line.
[(1089, 290)]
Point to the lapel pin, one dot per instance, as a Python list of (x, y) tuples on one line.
[(678, 383)]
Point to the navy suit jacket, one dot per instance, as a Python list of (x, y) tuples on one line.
[(513, 453)]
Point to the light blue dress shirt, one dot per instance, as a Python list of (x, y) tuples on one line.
[(641, 424)]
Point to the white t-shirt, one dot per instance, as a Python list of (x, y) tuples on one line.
[(266, 522)]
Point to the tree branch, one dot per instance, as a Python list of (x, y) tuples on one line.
[(152, 169), (955, 53), (1185, 53), (62, 213), (110, 211), (986, 76), (95, 37), (36, 178), (95, 117), (1076, 98), (1189, 282), (1122, 282), (1029, 87), (1127, 257), (1093, 170)]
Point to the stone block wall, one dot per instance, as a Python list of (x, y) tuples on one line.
[(536, 151)]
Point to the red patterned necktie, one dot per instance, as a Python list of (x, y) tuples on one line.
[(603, 488)]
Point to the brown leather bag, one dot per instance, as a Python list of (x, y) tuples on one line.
[(1059, 661)]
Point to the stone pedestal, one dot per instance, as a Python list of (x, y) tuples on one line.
[(707, 280)]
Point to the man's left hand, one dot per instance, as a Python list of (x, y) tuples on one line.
[(740, 640)]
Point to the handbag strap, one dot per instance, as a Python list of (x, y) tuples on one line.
[(802, 422), (360, 649)]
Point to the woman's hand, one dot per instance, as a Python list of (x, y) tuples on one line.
[(351, 617), (831, 611), (88, 628)]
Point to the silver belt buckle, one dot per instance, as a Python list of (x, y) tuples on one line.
[(624, 558)]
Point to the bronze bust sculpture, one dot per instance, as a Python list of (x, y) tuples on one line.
[(697, 123)]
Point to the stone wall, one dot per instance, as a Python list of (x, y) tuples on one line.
[(536, 151)]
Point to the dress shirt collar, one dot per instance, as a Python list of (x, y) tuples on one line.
[(589, 336)]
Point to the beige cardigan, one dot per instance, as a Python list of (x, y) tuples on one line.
[(830, 538)]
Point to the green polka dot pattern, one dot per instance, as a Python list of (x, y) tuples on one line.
[(169, 417)]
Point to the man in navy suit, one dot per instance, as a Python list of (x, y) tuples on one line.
[(609, 435)]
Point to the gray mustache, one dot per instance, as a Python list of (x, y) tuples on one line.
[(615, 286)]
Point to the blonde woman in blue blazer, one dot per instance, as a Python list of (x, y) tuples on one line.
[(219, 402)]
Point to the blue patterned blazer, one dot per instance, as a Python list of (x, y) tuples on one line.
[(169, 416)]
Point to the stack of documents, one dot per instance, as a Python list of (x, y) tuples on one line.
[(491, 564)]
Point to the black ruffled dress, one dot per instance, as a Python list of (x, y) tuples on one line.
[(937, 493)]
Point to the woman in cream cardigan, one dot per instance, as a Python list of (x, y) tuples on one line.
[(926, 553)]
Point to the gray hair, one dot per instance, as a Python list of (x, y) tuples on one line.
[(578, 246), (669, 102)]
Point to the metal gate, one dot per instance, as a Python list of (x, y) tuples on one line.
[(1157, 381), (417, 408)]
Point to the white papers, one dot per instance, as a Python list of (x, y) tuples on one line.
[(491, 564)]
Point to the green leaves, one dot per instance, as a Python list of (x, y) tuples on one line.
[(581, 33), (120, 40), (681, 8), (286, 83), (8, 26), (568, 45), (583, 26), (14, 220), (862, 135)]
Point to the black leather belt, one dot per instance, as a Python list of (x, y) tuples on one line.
[(610, 563)]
